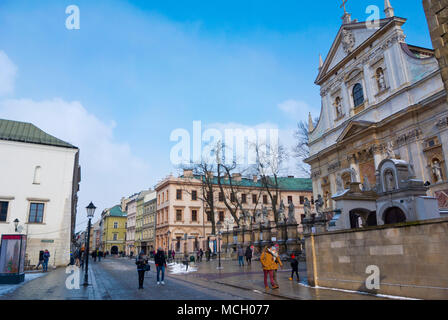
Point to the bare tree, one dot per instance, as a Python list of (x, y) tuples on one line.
[(301, 150), (269, 160)]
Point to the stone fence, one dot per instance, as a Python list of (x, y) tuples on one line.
[(411, 259), (285, 235)]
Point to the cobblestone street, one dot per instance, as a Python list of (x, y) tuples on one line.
[(116, 279)]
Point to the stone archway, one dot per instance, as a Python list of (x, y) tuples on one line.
[(394, 215), (114, 250), (359, 217)]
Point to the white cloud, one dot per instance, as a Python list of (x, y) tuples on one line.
[(109, 169), (8, 72), (298, 110)]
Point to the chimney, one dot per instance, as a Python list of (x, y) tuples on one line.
[(188, 173), (236, 177), (291, 177), (255, 178)]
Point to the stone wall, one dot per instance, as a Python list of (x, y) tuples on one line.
[(437, 16), (412, 259)]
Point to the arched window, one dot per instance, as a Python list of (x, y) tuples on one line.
[(358, 95), (37, 171)]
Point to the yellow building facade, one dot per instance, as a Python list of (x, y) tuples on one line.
[(114, 230)]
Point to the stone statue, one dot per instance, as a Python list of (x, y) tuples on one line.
[(281, 212), (381, 80), (338, 106), (291, 215), (390, 154), (348, 41), (307, 207), (366, 185), (258, 216), (390, 181), (319, 205), (264, 216), (339, 184), (437, 171)]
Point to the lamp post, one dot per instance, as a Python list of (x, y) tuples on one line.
[(286, 235), (16, 224), (90, 212), (169, 252), (219, 226)]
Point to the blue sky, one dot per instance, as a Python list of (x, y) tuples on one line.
[(137, 70)]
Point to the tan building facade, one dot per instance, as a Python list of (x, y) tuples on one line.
[(182, 223)]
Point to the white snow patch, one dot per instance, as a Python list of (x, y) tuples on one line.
[(359, 292), (7, 288), (177, 268)]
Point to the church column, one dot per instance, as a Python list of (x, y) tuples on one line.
[(368, 84), (377, 156)]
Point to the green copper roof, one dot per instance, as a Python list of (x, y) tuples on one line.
[(284, 183), (28, 133), (116, 211)]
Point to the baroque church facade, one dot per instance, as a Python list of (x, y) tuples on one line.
[(381, 99)]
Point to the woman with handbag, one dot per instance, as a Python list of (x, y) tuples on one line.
[(142, 266)]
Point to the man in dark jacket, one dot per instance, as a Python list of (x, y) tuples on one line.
[(248, 255), (160, 261), (295, 268), (41, 259)]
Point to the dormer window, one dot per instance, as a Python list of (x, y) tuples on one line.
[(358, 95)]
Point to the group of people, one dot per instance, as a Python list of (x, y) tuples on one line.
[(142, 263), (271, 262), (244, 254), (98, 254), (44, 257)]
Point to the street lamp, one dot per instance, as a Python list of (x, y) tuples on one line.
[(90, 212), (169, 252), (286, 235), (219, 226), (16, 223)]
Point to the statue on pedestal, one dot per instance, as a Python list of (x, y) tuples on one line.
[(281, 213), (291, 215), (307, 207), (319, 205), (264, 217)]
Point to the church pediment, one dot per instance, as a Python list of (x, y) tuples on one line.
[(354, 128), (349, 38)]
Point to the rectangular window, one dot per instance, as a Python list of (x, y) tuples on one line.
[(302, 199), (3, 211), (243, 198), (254, 198), (209, 216), (115, 236), (115, 225), (232, 197), (36, 213), (221, 197), (194, 195), (178, 215), (289, 199), (194, 215), (210, 196), (221, 216), (265, 199), (179, 194), (275, 199)]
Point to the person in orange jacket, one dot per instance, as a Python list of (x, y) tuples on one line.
[(277, 261), (268, 263)]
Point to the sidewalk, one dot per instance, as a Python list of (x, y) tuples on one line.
[(251, 278)]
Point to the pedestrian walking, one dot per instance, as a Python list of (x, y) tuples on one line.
[(198, 256), (160, 261), (208, 254), (77, 258), (240, 256), (142, 266), (201, 252), (46, 259), (100, 255), (41, 259), (295, 268), (94, 255), (268, 263), (248, 255), (72, 260)]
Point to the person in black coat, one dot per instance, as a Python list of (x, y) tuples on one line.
[(160, 261), (41, 259), (248, 255), (295, 268), (142, 262)]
